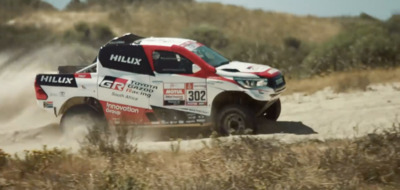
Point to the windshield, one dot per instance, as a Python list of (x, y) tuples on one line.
[(210, 56)]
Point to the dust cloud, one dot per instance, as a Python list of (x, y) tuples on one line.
[(23, 124)]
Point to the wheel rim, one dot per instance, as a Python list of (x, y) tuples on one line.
[(234, 123)]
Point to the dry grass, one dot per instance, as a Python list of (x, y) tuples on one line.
[(344, 81), (370, 162), (236, 22), (152, 19), (57, 21)]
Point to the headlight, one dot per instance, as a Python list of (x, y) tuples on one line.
[(251, 83)]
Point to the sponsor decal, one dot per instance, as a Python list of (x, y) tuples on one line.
[(200, 119), (123, 59), (124, 96), (174, 91), (124, 114), (191, 45), (113, 83), (174, 94), (57, 80), (60, 94), (190, 94), (189, 86), (48, 104), (83, 75), (196, 94), (142, 89), (116, 109), (193, 110), (168, 116), (133, 87)]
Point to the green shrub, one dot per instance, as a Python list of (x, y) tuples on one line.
[(366, 16), (393, 24), (23, 37), (287, 58), (94, 35), (208, 35), (3, 158), (25, 4), (364, 46), (291, 42), (76, 5)]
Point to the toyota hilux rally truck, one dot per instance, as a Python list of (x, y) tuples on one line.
[(163, 81)]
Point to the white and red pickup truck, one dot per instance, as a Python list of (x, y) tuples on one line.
[(163, 81)]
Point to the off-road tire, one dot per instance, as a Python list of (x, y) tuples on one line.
[(274, 111), (235, 119), (85, 116)]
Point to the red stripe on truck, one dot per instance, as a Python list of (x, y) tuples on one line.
[(83, 75)]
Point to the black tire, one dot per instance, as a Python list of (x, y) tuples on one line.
[(84, 117), (235, 119), (274, 111)]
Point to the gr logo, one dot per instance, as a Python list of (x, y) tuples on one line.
[(113, 83)]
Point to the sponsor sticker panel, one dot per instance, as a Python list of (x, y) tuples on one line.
[(57, 80), (196, 94), (48, 104), (128, 91), (169, 117), (174, 94), (113, 83), (181, 94), (124, 114)]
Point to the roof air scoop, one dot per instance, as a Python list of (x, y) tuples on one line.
[(125, 39)]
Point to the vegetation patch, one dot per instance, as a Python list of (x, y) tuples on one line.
[(301, 47), (369, 162)]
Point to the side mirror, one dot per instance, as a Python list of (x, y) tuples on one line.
[(195, 68)]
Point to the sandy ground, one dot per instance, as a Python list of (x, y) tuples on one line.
[(323, 115)]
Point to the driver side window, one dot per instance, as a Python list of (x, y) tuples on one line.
[(170, 62)]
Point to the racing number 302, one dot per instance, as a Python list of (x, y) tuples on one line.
[(198, 95)]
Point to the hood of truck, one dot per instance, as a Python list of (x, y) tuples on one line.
[(250, 70)]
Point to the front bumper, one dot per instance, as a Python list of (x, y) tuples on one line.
[(275, 87)]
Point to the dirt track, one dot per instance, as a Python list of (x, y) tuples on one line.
[(23, 125)]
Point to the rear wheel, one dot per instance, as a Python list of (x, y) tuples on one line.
[(80, 119), (274, 111), (235, 119)]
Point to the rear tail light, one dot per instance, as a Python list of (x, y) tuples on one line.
[(40, 94)]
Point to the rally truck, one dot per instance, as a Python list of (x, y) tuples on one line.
[(164, 82)]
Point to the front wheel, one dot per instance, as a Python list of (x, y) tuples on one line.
[(235, 119), (274, 111)]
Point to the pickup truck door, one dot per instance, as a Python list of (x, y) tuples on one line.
[(177, 88)]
